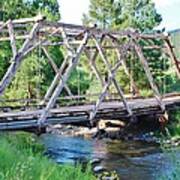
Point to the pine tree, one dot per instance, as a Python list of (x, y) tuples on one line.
[(137, 14)]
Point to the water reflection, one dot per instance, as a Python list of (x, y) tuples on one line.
[(132, 160)]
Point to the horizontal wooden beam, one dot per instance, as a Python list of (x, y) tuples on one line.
[(26, 20)]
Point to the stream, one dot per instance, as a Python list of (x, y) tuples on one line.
[(134, 160)]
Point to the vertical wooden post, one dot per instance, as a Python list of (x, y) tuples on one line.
[(16, 60), (12, 38), (74, 61)]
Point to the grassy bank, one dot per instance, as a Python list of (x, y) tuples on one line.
[(21, 158)]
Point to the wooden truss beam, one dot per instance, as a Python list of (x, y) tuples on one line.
[(173, 57), (12, 38), (146, 68), (56, 69), (115, 42), (111, 79), (16, 60), (74, 61)]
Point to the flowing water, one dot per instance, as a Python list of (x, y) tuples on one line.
[(132, 160)]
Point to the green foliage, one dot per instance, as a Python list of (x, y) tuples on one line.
[(22, 159), (14, 9), (140, 15), (79, 81), (27, 79), (35, 75), (120, 14), (146, 93)]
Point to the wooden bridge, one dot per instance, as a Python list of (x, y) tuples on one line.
[(79, 43)]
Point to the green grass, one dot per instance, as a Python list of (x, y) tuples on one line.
[(21, 158)]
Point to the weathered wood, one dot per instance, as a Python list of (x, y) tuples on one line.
[(60, 86), (96, 31), (111, 79), (3, 25), (66, 42), (16, 61), (56, 78), (12, 38), (94, 68), (19, 37), (108, 110), (37, 18), (56, 69), (92, 59), (173, 56), (115, 41), (72, 38), (145, 65)]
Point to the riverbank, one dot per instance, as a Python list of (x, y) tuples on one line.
[(22, 157)]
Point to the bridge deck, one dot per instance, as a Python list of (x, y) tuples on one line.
[(72, 114)]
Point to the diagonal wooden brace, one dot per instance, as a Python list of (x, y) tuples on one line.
[(115, 42), (112, 73), (16, 60), (74, 61), (173, 56), (56, 70), (12, 38), (146, 68)]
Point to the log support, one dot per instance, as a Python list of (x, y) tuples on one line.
[(56, 70), (17, 59), (173, 57), (111, 79), (146, 68), (73, 63), (77, 40)]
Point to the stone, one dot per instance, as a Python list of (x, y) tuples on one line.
[(99, 169)]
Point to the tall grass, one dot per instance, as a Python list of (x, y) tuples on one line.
[(21, 158)]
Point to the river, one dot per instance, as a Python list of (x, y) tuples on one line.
[(133, 160)]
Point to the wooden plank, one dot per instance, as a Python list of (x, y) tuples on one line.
[(37, 18), (19, 37), (96, 31), (112, 110), (57, 91), (92, 59)]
